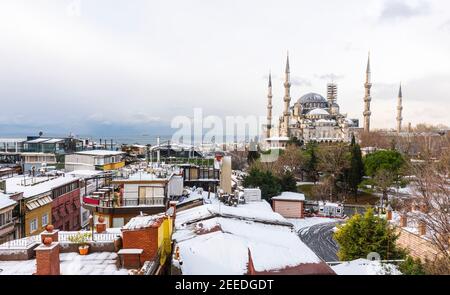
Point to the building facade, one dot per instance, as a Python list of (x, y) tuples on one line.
[(311, 118), (104, 160)]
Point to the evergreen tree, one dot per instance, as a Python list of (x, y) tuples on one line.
[(312, 161), (265, 180), (364, 234), (288, 183), (411, 266), (354, 175), (252, 156)]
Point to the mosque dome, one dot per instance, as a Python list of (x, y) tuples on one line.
[(312, 97)]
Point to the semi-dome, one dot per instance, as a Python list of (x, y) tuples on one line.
[(312, 97), (318, 112)]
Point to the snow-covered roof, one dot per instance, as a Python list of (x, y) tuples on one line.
[(290, 196), (325, 121), (5, 201), (85, 173), (363, 266), (278, 138), (100, 153), (97, 263), (318, 111), (144, 221), (218, 239), (33, 186)]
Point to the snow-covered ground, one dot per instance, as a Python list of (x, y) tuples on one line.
[(99, 263)]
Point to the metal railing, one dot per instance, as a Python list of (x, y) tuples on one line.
[(143, 201)]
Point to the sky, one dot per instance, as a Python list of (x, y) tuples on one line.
[(108, 66)]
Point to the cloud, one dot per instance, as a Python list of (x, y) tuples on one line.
[(400, 9), (445, 26), (299, 81), (329, 77)]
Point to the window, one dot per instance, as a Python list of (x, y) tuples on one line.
[(5, 218), (45, 219), (85, 216), (33, 225)]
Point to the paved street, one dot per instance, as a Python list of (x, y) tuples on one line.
[(319, 238)]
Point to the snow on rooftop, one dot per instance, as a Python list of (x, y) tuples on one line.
[(35, 185), (100, 153), (142, 221), (257, 211), (225, 251), (85, 173), (318, 111), (5, 201), (215, 239), (97, 263), (290, 196), (363, 266)]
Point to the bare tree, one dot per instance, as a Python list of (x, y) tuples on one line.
[(333, 160), (431, 192)]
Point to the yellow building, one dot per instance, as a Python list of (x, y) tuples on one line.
[(94, 160), (38, 213)]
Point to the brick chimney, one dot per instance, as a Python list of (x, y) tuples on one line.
[(141, 238), (422, 228), (389, 213), (403, 220), (50, 232), (47, 258)]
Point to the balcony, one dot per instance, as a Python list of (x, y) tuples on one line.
[(125, 206)]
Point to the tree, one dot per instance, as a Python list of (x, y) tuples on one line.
[(411, 266), (252, 156), (354, 174), (390, 160), (364, 234), (311, 161), (385, 168), (288, 183), (382, 181), (291, 160), (333, 160), (295, 141), (265, 180), (430, 190)]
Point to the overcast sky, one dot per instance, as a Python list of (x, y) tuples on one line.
[(85, 66)]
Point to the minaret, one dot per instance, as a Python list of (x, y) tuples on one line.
[(287, 99), (367, 98), (399, 110), (269, 107)]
